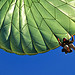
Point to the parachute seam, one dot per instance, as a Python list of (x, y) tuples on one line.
[(67, 3), (11, 32), (6, 25), (24, 26), (29, 30), (5, 13), (59, 10), (20, 26), (65, 15), (37, 26), (5, 16), (45, 22), (55, 18), (43, 18), (3, 4), (18, 31), (27, 46), (11, 25)]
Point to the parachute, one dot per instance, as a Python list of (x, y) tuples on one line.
[(29, 27)]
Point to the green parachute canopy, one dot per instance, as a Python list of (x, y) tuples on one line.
[(33, 26)]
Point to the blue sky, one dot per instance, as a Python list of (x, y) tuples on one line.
[(53, 62)]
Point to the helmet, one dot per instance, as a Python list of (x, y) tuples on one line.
[(64, 39)]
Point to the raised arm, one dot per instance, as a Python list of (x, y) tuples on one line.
[(72, 39), (59, 42)]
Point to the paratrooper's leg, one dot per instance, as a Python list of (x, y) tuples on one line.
[(72, 46)]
